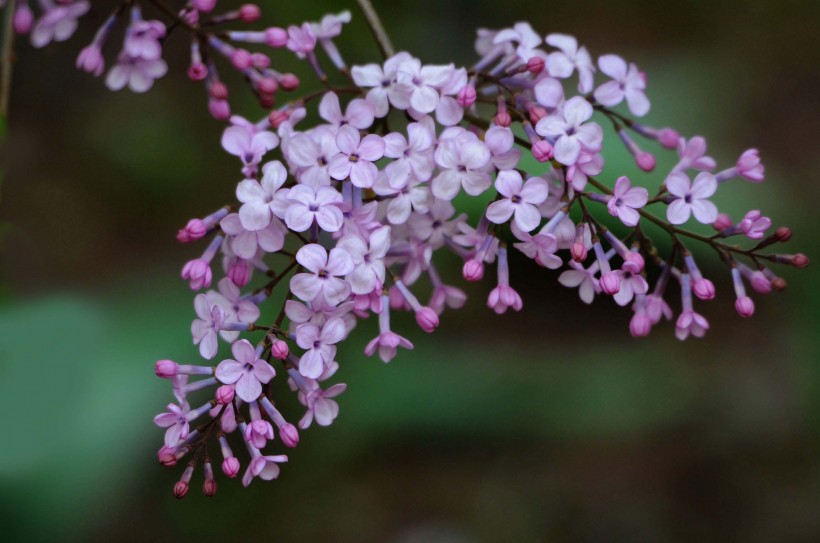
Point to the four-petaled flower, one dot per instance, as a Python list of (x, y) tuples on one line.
[(691, 198), (246, 371), (520, 200), (625, 200), (356, 157), (323, 282), (570, 131), (627, 82)]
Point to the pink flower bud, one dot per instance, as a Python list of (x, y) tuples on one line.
[(198, 273), (180, 489), (704, 289), (634, 262), (276, 37), (280, 350), (23, 18), (166, 368), (241, 59), (267, 85), (167, 457), (645, 161), (209, 488), (230, 467), (276, 118), (197, 71), (745, 307), (542, 151), (427, 319), (502, 118), (536, 113), (289, 435), (218, 90), (783, 233), (779, 284), (194, 230), (289, 82), (610, 283), (640, 324), (250, 13), (91, 60), (219, 109), (535, 65), (722, 222), (668, 137), (260, 61), (473, 270), (239, 272), (760, 283), (466, 96), (579, 252), (224, 395), (800, 260)]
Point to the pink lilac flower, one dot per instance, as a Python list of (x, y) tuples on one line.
[(631, 282), (245, 370), (301, 40), (691, 198), (570, 58), (245, 243), (382, 83), (234, 307), (260, 201), (449, 110), (583, 278), (404, 199), (689, 322), (541, 247), (587, 164), (692, 154), (627, 83), (321, 407), (412, 155), (248, 145), (137, 73), (258, 433), (319, 345), (205, 329), (266, 467), (462, 161), (356, 157), (143, 39), (387, 342), (58, 22), (323, 282), (359, 113), (176, 422), (754, 224), (549, 92), (503, 296), (526, 38), (422, 83), (520, 200), (625, 200), (311, 153), (368, 259), (570, 131), (328, 28), (750, 167), (501, 143), (309, 204)]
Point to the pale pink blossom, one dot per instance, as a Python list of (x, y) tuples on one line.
[(570, 58), (691, 198), (462, 162), (359, 112), (570, 131), (58, 22), (422, 83), (520, 200), (176, 422), (135, 72), (356, 157), (368, 259), (249, 145), (626, 200), (309, 204), (627, 83), (319, 345), (245, 370), (246, 243), (311, 153), (261, 200), (205, 329), (234, 307), (322, 281), (382, 83)]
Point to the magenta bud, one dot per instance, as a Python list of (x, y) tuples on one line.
[(209, 488), (502, 118), (640, 324), (224, 395), (166, 368), (260, 61), (218, 90), (180, 489), (219, 109), (23, 18), (289, 82), (668, 137), (634, 262), (800, 260), (268, 85), (745, 307), (198, 273), (276, 37), (722, 222), (241, 59), (535, 65), (194, 230), (645, 161), (779, 284), (473, 270), (276, 118), (239, 272), (542, 151), (427, 319), (230, 467), (579, 252), (280, 350), (167, 456), (536, 113), (466, 96), (760, 283), (783, 233), (91, 60), (250, 13), (610, 283), (289, 435), (204, 5), (704, 289), (197, 71)]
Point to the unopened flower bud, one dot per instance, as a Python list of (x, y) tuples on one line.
[(542, 151), (760, 283), (194, 230), (280, 350), (722, 222), (289, 435), (704, 289), (198, 273), (241, 59), (427, 319), (23, 18), (166, 368), (209, 488), (277, 117), (745, 307), (779, 284), (219, 109), (645, 161), (502, 118), (289, 82), (197, 71), (224, 395), (267, 85), (579, 252), (466, 96), (276, 37), (180, 489), (204, 5), (783, 233), (535, 65), (260, 61), (230, 467), (167, 456), (640, 324), (473, 270), (250, 13), (239, 272), (668, 137), (800, 260), (536, 113), (218, 90), (610, 283)]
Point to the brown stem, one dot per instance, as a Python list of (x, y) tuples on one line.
[(377, 28)]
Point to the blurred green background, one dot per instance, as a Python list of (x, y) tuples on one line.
[(548, 425)]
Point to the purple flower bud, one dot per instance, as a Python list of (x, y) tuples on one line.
[(180, 489), (722, 222), (166, 368), (280, 350), (289, 82), (197, 71), (760, 283), (224, 394), (466, 96), (289, 435), (579, 252), (239, 272), (250, 13), (704, 289), (668, 137), (219, 109), (91, 60), (645, 161), (167, 457), (542, 151), (209, 488), (473, 270), (204, 5), (640, 325), (427, 319), (745, 307), (610, 283), (535, 65), (276, 37), (241, 59), (194, 230), (198, 273), (230, 467), (23, 18)]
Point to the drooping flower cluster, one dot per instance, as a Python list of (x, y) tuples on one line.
[(345, 220)]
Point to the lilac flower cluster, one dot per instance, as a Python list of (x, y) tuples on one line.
[(343, 220)]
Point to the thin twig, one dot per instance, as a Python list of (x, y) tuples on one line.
[(375, 24), (6, 60)]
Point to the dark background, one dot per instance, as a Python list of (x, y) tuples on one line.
[(552, 424)]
